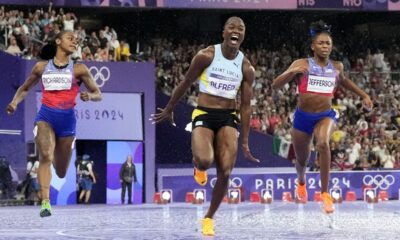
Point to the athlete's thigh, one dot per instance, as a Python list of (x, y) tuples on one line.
[(202, 143), (301, 144), (45, 138), (324, 129), (226, 145)]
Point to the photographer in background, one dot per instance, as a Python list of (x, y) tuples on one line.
[(87, 178)]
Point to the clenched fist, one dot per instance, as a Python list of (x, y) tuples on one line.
[(11, 107), (85, 96)]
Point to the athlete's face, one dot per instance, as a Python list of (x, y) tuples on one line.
[(234, 32), (68, 42), (322, 45)]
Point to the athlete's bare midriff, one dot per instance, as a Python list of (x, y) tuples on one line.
[(314, 103), (210, 101)]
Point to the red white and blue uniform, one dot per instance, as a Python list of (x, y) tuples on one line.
[(59, 91), (320, 81)]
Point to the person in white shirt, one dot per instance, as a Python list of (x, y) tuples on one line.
[(13, 48), (388, 159), (69, 21)]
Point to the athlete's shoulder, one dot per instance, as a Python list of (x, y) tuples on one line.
[(204, 57), (247, 63), (300, 62), (39, 67), (80, 68), (337, 64), (207, 52)]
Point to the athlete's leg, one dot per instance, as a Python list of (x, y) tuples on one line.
[(225, 150), (302, 147), (202, 148), (322, 132), (203, 153), (46, 141), (63, 152)]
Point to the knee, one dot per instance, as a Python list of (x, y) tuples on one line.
[(202, 163), (322, 146), (46, 158)]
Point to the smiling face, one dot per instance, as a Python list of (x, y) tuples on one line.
[(234, 31), (68, 42), (322, 45)]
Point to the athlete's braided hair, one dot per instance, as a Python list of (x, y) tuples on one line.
[(319, 27)]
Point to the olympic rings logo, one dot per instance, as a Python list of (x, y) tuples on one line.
[(233, 182), (381, 182), (100, 76)]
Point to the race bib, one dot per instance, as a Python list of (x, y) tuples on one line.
[(57, 81), (321, 84), (223, 86)]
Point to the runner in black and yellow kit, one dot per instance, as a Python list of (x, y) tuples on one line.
[(222, 71)]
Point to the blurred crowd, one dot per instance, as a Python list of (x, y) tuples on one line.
[(23, 33), (362, 140)]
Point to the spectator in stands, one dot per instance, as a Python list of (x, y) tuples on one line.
[(123, 52), (388, 159), (69, 21), (13, 48), (357, 166), (93, 42), (255, 122)]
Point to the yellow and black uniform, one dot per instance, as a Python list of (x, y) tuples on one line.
[(222, 78), (213, 118)]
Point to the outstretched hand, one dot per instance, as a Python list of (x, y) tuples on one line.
[(367, 103), (11, 107), (247, 153), (163, 115)]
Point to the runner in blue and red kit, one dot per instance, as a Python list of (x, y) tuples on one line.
[(55, 122), (317, 78)]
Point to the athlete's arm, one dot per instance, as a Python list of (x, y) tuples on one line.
[(297, 68), (348, 84), (83, 74), (245, 108), (200, 62), (31, 81)]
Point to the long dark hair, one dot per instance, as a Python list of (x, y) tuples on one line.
[(49, 50), (319, 27)]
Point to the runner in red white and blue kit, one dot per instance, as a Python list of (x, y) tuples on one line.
[(317, 77), (55, 122)]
